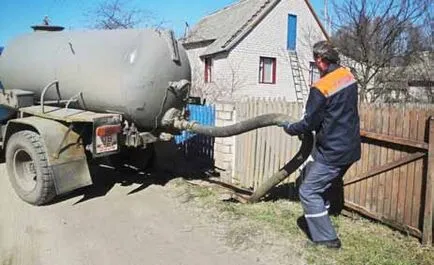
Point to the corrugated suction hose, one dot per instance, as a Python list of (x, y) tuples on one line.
[(273, 119)]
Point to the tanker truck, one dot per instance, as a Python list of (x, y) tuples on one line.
[(68, 98)]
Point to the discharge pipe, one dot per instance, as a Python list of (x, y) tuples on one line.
[(273, 119)]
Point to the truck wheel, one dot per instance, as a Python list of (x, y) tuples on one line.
[(27, 165)]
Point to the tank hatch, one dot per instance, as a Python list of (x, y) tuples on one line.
[(47, 28)]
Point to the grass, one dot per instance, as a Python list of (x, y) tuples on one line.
[(364, 242)]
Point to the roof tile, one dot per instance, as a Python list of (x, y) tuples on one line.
[(226, 26)]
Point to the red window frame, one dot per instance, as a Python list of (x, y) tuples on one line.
[(208, 70), (262, 61)]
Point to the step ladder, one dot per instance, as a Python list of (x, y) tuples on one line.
[(301, 89)]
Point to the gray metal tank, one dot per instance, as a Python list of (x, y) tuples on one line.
[(121, 71)]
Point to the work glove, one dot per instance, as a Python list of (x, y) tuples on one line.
[(285, 125)]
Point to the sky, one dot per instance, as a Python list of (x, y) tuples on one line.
[(16, 16)]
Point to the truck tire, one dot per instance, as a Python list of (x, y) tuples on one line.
[(27, 165)]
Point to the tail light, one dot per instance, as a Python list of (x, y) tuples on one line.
[(107, 130)]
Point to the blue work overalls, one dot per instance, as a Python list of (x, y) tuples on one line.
[(332, 112)]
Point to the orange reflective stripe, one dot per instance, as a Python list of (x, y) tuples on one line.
[(335, 81)]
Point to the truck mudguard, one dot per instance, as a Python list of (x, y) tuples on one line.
[(65, 151)]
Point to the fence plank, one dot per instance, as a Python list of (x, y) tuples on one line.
[(260, 150), (249, 146), (272, 140), (395, 172), (417, 186), (256, 143), (264, 147), (428, 212), (239, 113), (274, 162), (358, 167), (245, 153), (378, 181), (291, 144), (239, 169), (394, 139), (410, 170), (300, 109), (384, 113), (267, 147), (403, 175), (286, 143), (261, 142), (378, 170), (372, 156), (281, 138), (365, 159), (389, 175), (350, 191)]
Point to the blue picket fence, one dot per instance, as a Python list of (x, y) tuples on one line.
[(202, 114), (198, 146)]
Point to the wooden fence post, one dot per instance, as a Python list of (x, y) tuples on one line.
[(428, 215)]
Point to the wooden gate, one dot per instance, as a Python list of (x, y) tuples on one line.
[(393, 180)]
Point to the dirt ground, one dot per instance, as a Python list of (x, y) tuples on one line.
[(123, 219)]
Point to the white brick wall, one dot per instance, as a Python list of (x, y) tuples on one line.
[(197, 69), (237, 72), (224, 148)]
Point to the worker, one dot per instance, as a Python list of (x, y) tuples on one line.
[(332, 113)]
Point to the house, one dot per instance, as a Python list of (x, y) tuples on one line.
[(407, 80), (255, 48)]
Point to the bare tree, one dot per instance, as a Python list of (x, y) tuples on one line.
[(425, 60), (119, 14), (223, 87), (376, 36)]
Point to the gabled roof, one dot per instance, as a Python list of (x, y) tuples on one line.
[(229, 25)]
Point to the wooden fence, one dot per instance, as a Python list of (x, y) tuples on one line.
[(260, 153), (391, 183)]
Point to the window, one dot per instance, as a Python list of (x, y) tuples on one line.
[(292, 32), (267, 70), (208, 70), (314, 74)]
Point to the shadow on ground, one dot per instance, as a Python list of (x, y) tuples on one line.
[(289, 191), (169, 162)]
